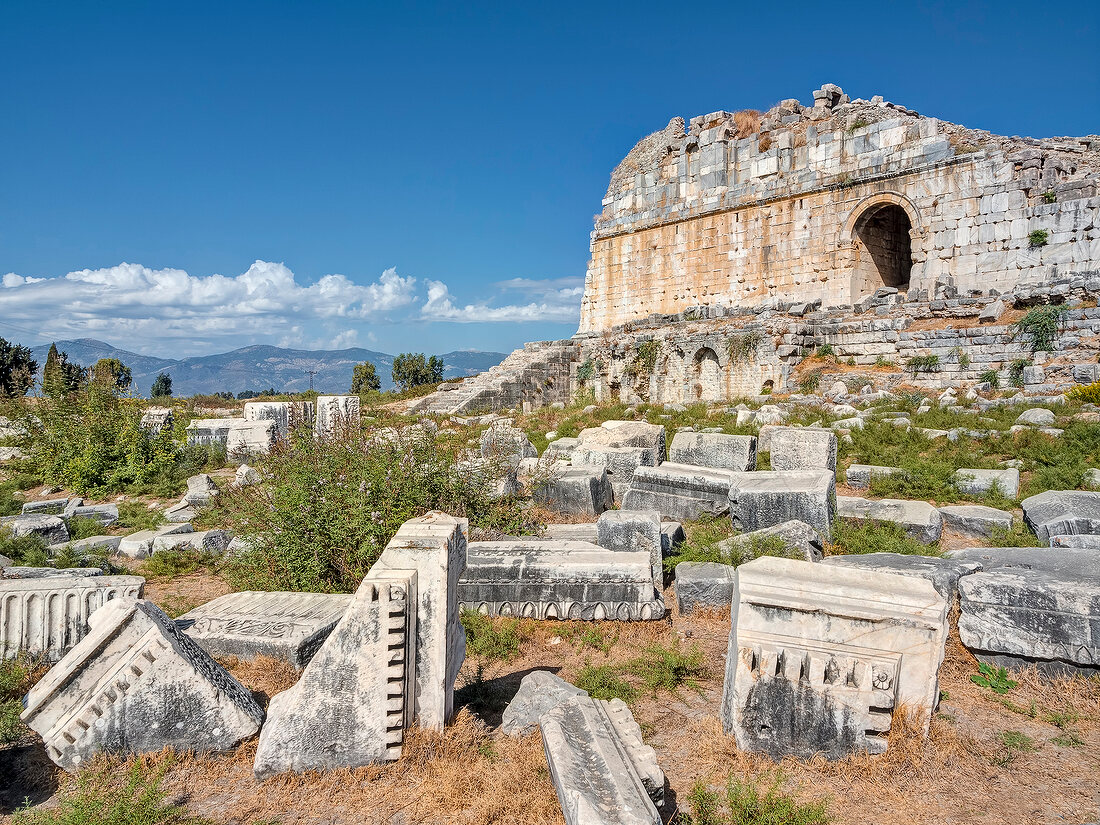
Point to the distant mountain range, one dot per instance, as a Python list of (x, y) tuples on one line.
[(259, 367)]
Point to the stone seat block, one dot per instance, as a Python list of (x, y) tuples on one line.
[(980, 482), (717, 450), (975, 520), (680, 492), (768, 498), (704, 584)]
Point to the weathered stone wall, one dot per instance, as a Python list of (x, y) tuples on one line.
[(820, 204)]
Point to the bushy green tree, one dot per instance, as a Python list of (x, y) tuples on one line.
[(414, 370), (365, 379), (162, 386), (60, 376), (17, 370), (111, 374)]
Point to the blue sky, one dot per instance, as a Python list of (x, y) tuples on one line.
[(418, 176)]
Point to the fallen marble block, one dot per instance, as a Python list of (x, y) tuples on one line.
[(539, 691), (767, 498), (251, 438), (354, 700), (919, 519), (435, 546), (559, 580), (14, 571), (975, 520), (210, 431), (336, 413), (104, 514), (602, 771), (180, 513), (1036, 417), (201, 489), (672, 536), (621, 462), (50, 529), (48, 507), (803, 448), (580, 491), (287, 626), (1062, 513), (629, 531), (1087, 541), (682, 492), (88, 546), (820, 656), (704, 584), (859, 476), (570, 532), (139, 545), (944, 573), (206, 541), (135, 684), (626, 434), (1033, 606), (981, 482), (285, 414), (156, 420), (505, 443), (799, 539), (717, 450)]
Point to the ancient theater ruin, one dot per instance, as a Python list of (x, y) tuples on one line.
[(731, 246)]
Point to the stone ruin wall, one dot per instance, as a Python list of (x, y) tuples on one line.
[(831, 202)]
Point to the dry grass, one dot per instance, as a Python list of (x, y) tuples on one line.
[(746, 122)]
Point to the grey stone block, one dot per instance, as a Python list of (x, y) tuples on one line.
[(800, 539), (682, 492), (287, 626), (768, 498), (919, 519), (1087, 542), (601, 770), (208, 541), (558, 580), (49, 529), (136, 684), (859, 476), (704, 584), (944, 573), (672, 536), (47, 507), (975, 520), (1062, 513), (584, 491), (538, 693), (633, 531), (803, 448), (104, 514), (1037, 417), (717, 450), (139, 545), (980, 482)]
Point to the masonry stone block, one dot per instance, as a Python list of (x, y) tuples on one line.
[(718, 450), (768, 498), (919, 519), (803, 448), (682, 492)]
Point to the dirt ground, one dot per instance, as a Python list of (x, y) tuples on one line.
[(963, 773)]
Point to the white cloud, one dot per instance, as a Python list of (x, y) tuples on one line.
[(557, 304), (135, 307), (345, 340)]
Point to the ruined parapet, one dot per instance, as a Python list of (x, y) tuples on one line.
[(336, 412), (832, 202), (156, 420), (285, 414)]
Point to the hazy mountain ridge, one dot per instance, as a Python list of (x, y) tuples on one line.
[(259, 367)]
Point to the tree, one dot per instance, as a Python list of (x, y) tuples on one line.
[(365, 379), (110, 373), (162, 386), (60, 376), (414, 370), (17, 370)]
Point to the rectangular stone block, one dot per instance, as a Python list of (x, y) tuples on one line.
[(633, 531), (433, 545), (766, 498), (704, 584), (335, 412), (594, 769), (578, 491), (717, 450), (136, 684), (50, 615), (820, 656), (803, 448), (285, 414), (354, 700), (859, 476), (681, 492), (287, 626), (247, 438), (919, 519), (559, 580), (210, 431), (980, 482)]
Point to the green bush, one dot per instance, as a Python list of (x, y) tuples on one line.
[(25, 550), (825, 351), (991, 377), (923, 363), (668, 668), (1019, 535), (851, 537), (1038, 237), (1016, 372), (810, 382), (1041, 325), (605, 682), (17, 675), (134, 515), (81, 527), (105, 795), (994, 678), (328, 506), (742, 346), (747, 804), (1085, 393), (644, 360), (167, 564)]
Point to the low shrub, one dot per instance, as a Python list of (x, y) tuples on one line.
[(994, 678), (135, 515), (29, 551), (750, 802), (923, 363), (991, 377), (668, 668), (606, 682), (17, 675), (1042, 324), (851, 537), (1018, 535), (1085, 393), (168, 564), (81, 527), (1038, 237)]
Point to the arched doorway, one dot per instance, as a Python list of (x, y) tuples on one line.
[(883, 248), (707, 384)]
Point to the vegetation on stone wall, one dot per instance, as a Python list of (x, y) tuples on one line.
[(923, 363), (742, 346), (644, 360), (1041, 325)]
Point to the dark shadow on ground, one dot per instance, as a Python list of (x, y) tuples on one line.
[(487, 698), (28, 776)]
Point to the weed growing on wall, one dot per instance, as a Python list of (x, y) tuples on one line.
[(1041, 326), (742, 346)]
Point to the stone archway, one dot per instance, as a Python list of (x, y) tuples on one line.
[(884, 237), (706, 376)]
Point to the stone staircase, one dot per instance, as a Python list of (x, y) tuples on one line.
[(534, 376)]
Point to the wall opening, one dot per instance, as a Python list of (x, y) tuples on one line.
[(708, 376), (884, 248)]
